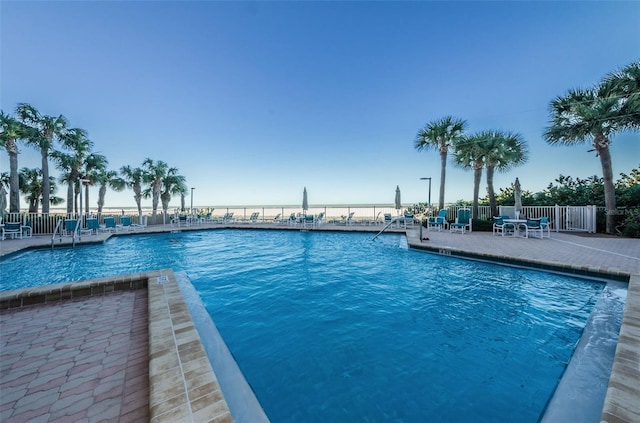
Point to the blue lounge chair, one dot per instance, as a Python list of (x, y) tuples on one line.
[(440, 221), (70, 226), (125, 223), (109, 225), (463, 221), (92, 227)]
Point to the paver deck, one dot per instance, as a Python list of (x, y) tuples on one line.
[(96, 376)]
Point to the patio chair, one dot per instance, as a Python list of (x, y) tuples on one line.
[(319, 219), (92, 227), (12, 229), (463, 221), (388, 219), (350, 221), (27, 229), (408, 220), (277, 218), (69, 227), (254, 217), (109, 225), (499, 225), (538, 226), (228, 217), (125, 223), (440, 221)]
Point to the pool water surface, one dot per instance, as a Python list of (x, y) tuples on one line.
[(335, 327)]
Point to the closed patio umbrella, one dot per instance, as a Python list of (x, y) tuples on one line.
[(305, 202), (517, 195), (398, 200)]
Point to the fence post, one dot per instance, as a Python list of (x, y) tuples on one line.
[(557, 219)]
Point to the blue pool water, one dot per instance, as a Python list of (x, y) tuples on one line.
[(335, 327)]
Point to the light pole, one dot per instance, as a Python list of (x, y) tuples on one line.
[(192, 188), (429, 203)]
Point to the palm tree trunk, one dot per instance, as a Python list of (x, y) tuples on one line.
[(101, 194), (443, 175), (609, 189), (46, 184), (492, 193), (14, 180), (477, 178), (70, 186), (86, 199)]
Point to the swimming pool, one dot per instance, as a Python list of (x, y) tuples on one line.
[(334, 327)]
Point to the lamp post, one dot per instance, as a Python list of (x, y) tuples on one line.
[(429, 203), (192, 188)]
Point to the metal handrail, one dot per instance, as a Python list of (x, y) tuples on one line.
[(53, 237), (383, 229)]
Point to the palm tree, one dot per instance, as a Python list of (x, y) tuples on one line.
[(31, 186), (95, 164), (504, 150), (469, 153), (596, 115), (134, 178), (44, 130), (12, 131), (172, 184), (106, 179), (441, 135), (75, 140), (154, 174), (625, 84)]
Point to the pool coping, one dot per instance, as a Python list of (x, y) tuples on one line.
[(182, 383)]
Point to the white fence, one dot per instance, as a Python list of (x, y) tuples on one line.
[(563, 218)]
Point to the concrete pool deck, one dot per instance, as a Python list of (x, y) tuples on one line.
[(28, 390)]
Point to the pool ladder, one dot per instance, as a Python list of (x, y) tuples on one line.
[(59, 227)]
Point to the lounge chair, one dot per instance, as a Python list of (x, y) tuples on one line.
[(92, 227), (228, 217), (277, 218), (538, 226), (70, 226), (440, 221), (125, 223), (12, 229), (350, 221), (293, 219), (141, 224), (463, 221), (254, 217), (499, 225), (109, 225)]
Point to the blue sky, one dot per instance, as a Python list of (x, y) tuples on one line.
[(252, 101)]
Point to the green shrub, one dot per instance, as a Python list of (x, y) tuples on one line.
[(482, 225), (631, 224)]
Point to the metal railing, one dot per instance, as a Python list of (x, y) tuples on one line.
[(563, 218)]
